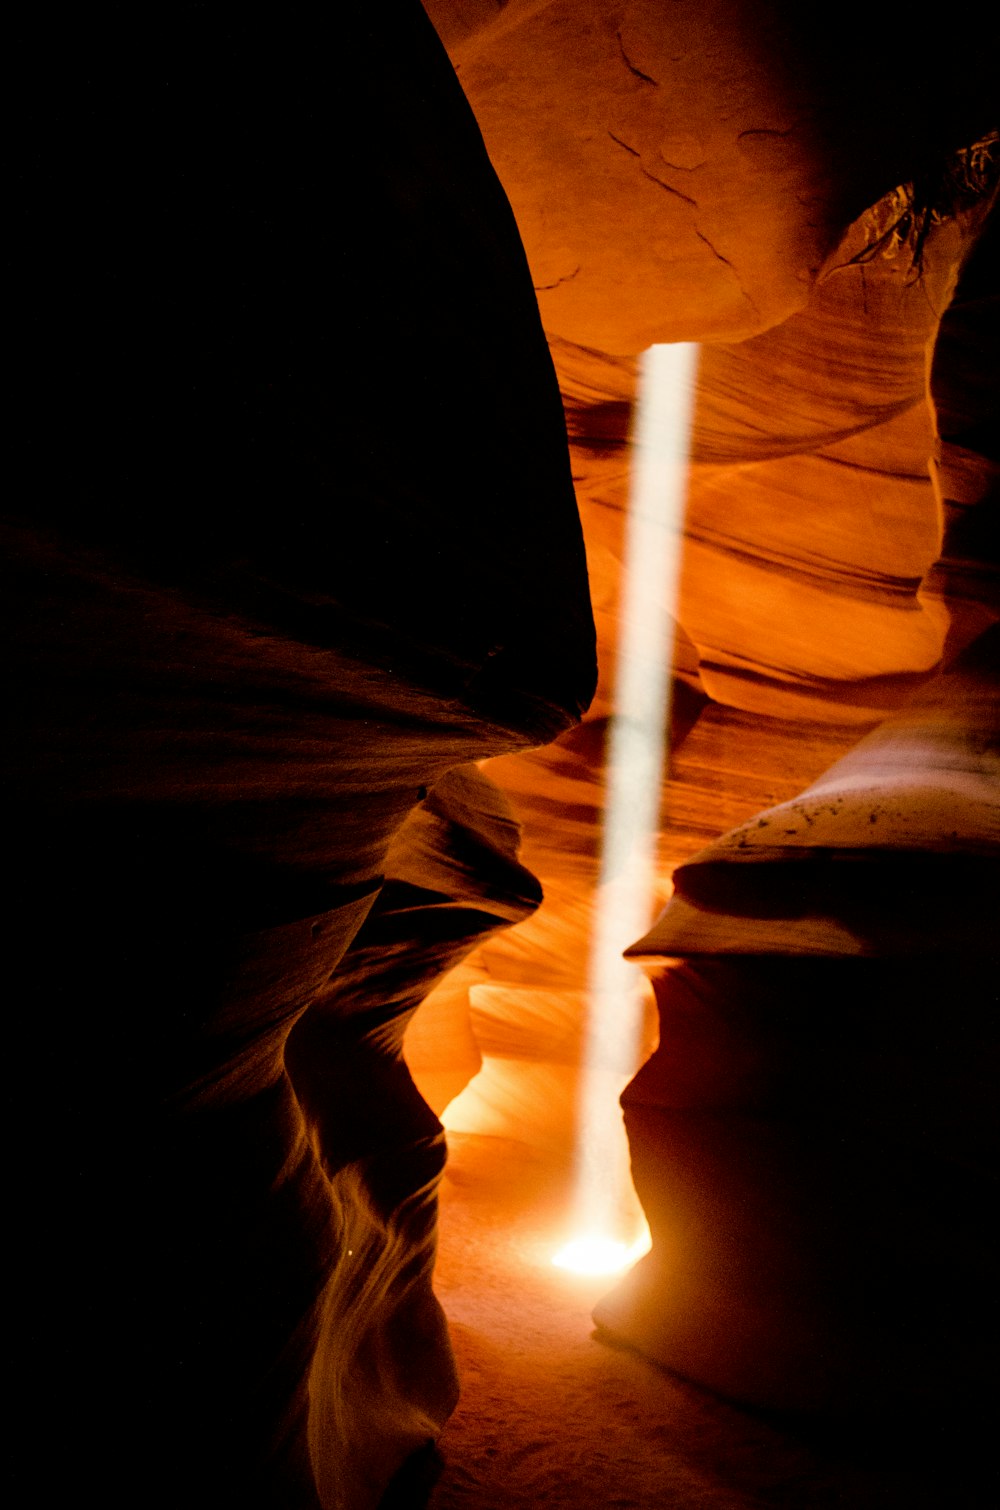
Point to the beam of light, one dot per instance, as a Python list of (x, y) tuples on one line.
[(598, 1255), (606, 1211)]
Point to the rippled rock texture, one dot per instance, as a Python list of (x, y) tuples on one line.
[(815, 1138), (812, 1138), (260, 603), (294, 546), (381, 1380)]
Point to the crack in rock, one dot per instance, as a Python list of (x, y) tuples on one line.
[(618, 141), (631, 66), (766, 131), (671, 190), (541, 288), (725, 260), (633, 152)]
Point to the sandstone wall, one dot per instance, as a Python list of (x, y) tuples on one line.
[(290, 474)]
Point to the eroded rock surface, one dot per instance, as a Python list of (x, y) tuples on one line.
[(840, 541), (258, 602), (295, 538), (381, 1380), (815, 1136), (682, 172)]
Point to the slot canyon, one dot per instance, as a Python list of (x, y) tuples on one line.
[(502, 582)]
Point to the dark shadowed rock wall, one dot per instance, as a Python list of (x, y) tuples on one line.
[(291, 537), (815, 1138), (381, 1379), (290, 480)]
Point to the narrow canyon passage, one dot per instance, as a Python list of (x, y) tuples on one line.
[(552, 1416), (320, 583)]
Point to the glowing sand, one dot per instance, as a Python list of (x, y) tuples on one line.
[(598, 1255)]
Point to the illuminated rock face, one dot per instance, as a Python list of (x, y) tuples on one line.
[(381, 1381), (815, 1134), (654, 124), (812, 1138), (682, 171), (297, 543), (840, 540)]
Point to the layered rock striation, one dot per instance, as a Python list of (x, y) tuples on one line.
[(813, 1188), (815, 1138), (259, 602), (294, 545)]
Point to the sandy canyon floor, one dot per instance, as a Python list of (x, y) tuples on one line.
[(554, 1416)]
